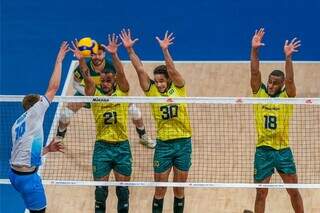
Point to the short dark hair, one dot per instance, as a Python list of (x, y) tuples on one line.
[(29, 100), (100, 47), (109, 69), (162, 69), (278, 73)]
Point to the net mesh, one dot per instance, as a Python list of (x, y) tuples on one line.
[(223, 141)]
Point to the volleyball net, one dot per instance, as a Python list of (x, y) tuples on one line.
[(223, 140)]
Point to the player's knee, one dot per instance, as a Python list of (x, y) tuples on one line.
[(134, 112), (160, 192), (178, 191), (122, 192), (123, 198), (66, 115), (294, 193), (101, 195), (262, 194)]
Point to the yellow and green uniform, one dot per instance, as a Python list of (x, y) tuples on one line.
[(173, 130), (272, 125), (112, 149), (172, 120), (95, 75)]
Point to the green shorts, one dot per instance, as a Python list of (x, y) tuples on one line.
[(170, 153), (107, 156), (86, 105), (267, 159)]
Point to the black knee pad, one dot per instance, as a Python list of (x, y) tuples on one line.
[(122, 192), (123, 198), (101, 195), (38, 211)]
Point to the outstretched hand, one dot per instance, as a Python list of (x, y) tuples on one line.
[(167, 40), (290, 48), (76, 52), (257, 38), (126, 39), (64, 48), (113, 44), (55, 146)]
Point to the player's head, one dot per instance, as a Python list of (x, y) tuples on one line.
[(275, 82), (161, 78), (108, 81), (29, 100), (98, 58)]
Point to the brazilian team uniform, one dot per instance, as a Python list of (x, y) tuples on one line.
[(94, 75), (173, 130), (111, 149), (272, 148)]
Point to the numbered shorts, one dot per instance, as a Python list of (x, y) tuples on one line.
[(108, 156), (170, 153), (267, 159), (29, 185), (85, 105)]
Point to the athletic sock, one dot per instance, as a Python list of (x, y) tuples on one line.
[(157, 205), (178, 205)]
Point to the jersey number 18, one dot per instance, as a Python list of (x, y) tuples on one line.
[(270, 122)]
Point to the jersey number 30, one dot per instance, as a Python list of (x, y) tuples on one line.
[(270, 122), (169, 111)]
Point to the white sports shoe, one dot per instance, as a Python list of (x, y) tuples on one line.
[(147, 142)]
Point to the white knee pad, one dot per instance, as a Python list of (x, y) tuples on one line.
[(134, 112), (66, 115)]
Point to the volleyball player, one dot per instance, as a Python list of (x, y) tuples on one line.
[(27, 140), (112, 148), (173, 149), (272, 124), (97, 64)]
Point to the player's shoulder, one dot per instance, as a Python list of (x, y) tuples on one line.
[(152, 89), (119, 92), (262, 92)]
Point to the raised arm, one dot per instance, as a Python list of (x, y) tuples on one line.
[(174, 75), (55, 79), (90, 86), (128, 43), (255, 80), (112, 48), (289, 49)]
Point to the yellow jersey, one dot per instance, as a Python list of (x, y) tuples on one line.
[(172, 120), (111, 118), (272, 121), (95, 75)]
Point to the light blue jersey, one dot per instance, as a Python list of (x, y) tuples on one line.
[(27, 135)]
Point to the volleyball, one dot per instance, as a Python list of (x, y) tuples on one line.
[(87, 46)]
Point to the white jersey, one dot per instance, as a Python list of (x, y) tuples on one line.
[(27, 135)]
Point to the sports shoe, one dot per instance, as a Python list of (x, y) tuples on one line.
[(147, 142)]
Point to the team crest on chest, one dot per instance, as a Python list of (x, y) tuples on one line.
[(171, 91)]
